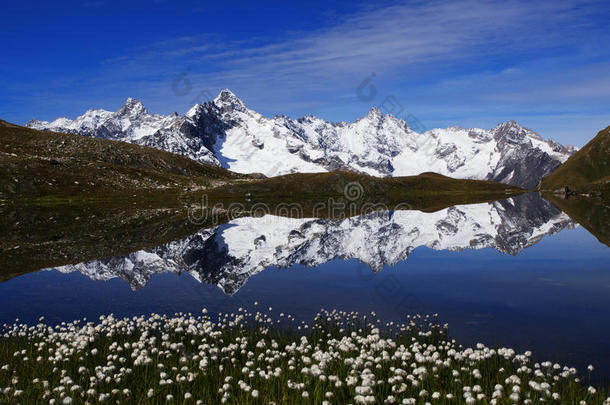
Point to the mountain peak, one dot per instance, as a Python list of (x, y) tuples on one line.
[(227, 98), (374, 113), (133, 102), (194, 110), (509, 124), (226, 93), (33, 122), (572, 148), (515, 132), (133, 108)]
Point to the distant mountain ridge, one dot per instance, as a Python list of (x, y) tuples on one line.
[(225, 132)]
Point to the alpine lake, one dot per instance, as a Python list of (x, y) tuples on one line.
[(517, 272)]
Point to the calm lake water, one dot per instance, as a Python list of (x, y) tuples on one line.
[(518, 273)]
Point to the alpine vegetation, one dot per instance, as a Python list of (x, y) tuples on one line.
[(252, 357)]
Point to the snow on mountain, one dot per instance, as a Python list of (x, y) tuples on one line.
[(251, 142), (228, 255), (131, 122), (225, 132)]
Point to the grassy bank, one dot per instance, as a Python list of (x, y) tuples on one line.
[(256, 358)]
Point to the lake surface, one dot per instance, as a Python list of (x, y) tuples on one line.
[(517, 273)]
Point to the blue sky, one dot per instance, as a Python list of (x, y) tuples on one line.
[(471, 63)]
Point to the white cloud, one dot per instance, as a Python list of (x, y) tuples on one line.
[(399, 38)]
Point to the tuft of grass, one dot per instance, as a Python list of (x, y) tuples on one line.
[(254, 357)]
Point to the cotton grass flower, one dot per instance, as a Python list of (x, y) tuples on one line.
[(341, 357)]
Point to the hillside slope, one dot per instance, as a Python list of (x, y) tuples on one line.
[(38, 163), (587, 170)]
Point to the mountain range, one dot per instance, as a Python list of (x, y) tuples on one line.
[(226, 133), (229, 254)]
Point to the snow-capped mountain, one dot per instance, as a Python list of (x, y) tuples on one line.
[(225, 132), (228, 255)]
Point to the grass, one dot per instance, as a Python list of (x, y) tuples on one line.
[(259, 357)]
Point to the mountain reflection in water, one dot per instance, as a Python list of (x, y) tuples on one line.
[(228, 255)]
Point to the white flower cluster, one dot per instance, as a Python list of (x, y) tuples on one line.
[(250, 357)]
